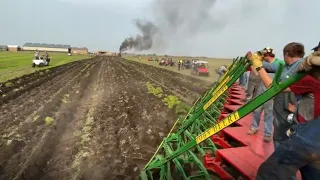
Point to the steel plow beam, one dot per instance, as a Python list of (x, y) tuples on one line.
[(178, 153), (202, 116)]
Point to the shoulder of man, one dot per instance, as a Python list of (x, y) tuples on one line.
[(278, 61)]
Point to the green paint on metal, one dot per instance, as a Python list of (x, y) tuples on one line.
[(177, 149), (197, 120)]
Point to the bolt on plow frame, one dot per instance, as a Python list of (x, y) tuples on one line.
[(180, 154)]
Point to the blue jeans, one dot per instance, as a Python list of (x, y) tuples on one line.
[(243, 80), (300, 152), (276, 144), (268, 117)]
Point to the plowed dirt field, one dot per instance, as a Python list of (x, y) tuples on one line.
[(91, 119)]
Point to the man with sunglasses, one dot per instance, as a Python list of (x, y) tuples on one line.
[(302, 150)]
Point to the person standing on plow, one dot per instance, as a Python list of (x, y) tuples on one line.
[(284, 105), (301, 151), (267, 107), (306, 93), (253, 84)]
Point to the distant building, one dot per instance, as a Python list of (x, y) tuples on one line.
[(47, 47), (3, 48), (14, 48), (79, 50)]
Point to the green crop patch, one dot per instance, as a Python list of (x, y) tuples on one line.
[(48, 121), (169, 100), (16, 64), (156, 91)]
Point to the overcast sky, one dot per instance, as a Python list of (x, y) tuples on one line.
[(104, 24)]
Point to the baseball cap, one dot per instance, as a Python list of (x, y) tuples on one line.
[(266, 51)]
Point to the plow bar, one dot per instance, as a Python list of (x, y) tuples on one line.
[(177, 155)]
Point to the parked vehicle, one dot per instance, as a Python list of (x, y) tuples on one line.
[(41, 62), (200, 68)]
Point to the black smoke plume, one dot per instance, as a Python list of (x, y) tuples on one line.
[(177, 22), (172, 18), (143, 41)]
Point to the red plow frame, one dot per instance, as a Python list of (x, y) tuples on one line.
[(245, 159)]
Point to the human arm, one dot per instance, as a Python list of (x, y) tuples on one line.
[(291, 107), (266, 80), (308, 84), (311, 65), (270, 67), (290, 102), (257, 63)]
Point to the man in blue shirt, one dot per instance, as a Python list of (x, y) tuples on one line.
[(302, 150)]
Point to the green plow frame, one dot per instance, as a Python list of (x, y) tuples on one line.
[(177, 157)]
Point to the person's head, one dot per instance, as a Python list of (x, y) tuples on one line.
[(293, 52), (268, 55)]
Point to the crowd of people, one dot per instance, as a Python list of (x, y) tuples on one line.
[(293, 114)]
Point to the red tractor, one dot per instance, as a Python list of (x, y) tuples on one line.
[(200, 68)]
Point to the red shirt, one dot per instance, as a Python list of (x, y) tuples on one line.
[(308, 84)]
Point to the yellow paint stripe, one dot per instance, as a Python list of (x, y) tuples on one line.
[(221, 84), (224, 74), (218, 127), (222, 87), (215, 97)]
